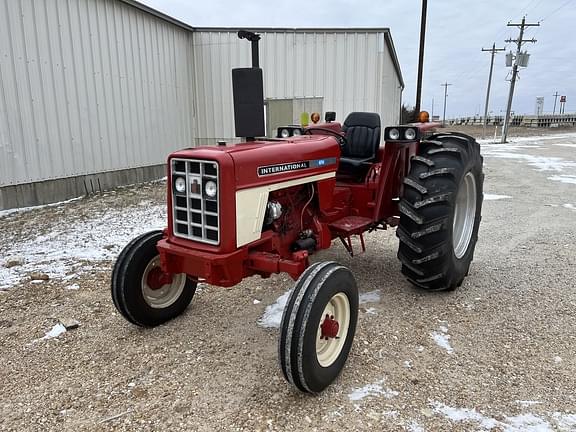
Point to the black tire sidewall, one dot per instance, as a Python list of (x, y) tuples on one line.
[(317, 377), (129, 290)]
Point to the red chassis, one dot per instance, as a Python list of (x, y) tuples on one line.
[(338, 206)]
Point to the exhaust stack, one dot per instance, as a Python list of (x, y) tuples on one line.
[(248, 93)]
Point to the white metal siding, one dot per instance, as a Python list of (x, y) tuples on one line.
[(89, 86), (351, 70)]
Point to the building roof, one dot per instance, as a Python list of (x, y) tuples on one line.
[(183, 25)]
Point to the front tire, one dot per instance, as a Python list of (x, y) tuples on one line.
[(318, 326), (440, 211), (141, 292)]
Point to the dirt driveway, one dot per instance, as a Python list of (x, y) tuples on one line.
[(497, 354)]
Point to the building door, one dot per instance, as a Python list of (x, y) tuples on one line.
[(278, 113), (284, 112)]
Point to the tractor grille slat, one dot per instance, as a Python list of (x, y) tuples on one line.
[(196, 215)]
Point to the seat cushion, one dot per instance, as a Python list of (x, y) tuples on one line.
[(355, 166)]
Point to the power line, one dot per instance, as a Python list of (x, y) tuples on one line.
[(556, 10)]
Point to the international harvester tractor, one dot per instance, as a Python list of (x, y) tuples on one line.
[(266, 205)]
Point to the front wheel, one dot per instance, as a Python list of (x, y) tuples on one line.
[(141, 291), (318, 326), (440, 211)]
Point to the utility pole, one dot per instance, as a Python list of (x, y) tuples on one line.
[(493, 50), (555, 97), (420, 59), (519, 42), (432, 115), (445, 85)]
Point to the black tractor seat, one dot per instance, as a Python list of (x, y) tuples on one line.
[(362, 131)]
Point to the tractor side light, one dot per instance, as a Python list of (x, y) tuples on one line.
[(423, 117), (210, 188), (394, 134), (410, 134), (180, 184), (285, 133)]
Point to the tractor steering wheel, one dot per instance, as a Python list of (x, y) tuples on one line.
[(342, 141)]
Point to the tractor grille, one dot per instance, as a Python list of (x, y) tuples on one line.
[(195, 213)]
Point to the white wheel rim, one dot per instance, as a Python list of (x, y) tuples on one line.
[(327, 351), (167, 294), (464, 215)]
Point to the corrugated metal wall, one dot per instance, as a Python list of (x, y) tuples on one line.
[(89, 86), (352, 70)]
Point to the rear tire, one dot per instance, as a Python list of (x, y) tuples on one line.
[(132, 293), (318, 326), (440, 211)]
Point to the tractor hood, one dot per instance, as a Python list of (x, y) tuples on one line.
[(260, 163)]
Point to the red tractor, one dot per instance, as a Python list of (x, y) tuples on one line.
[(265, 206)]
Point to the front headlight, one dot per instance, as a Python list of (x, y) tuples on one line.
[(297, 132), (410, 134), (285, 133), (394, 134), (210, 188), (180, 184)]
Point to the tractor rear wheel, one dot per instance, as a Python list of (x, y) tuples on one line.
[(318, 326), (141, 291), (440, 211)]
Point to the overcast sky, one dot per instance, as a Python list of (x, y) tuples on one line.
[(456, 33)]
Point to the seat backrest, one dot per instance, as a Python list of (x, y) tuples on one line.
[(362, 131)]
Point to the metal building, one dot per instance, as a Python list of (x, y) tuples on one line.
[(96, 93), (305, 70)]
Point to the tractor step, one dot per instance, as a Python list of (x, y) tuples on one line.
[(349, 226)]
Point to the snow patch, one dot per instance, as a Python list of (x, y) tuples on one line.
[(566, 145), (442, 339), (66, 248), (541, 163), (54, 332), (525, 422), (272, 316), (371, 311), (9, 212), (565, 422), (73, 287), (375, 389), (493, 197), (527, 403), (414, 426), (569, 206), (569, 179), (370, 297)]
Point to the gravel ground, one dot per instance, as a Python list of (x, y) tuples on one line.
[(497, 354)]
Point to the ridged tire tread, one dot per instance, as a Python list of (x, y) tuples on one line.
[(427, 209)]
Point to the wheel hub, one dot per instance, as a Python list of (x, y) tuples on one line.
[(464, 215), (329, 328), (157, 278), (331, 333)]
